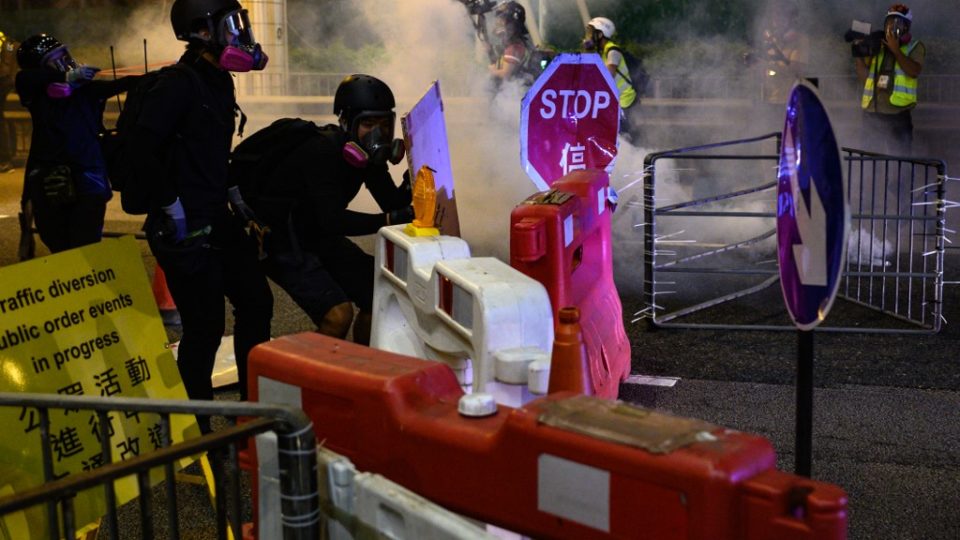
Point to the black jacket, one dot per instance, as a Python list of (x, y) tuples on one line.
[(182, 140), (318, 184), (65, 130)]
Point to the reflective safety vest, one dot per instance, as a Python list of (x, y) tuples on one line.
[(627, 93), (904, 87)]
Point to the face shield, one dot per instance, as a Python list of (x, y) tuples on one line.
[(235, 30), (241, 52), (60, 60)]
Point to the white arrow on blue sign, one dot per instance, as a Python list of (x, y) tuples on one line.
[(813, 215)]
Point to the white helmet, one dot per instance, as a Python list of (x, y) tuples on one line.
[(604, 25)]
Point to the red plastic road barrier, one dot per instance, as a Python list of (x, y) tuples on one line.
[(561, 238), (564, 466)]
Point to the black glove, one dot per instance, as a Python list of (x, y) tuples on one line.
[(400, 215), (406, 188)]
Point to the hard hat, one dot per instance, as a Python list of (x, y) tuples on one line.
[(604, 25), (35, 48), (186, 16)]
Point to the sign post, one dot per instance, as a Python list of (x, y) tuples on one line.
[(569, 119), (813, 220)]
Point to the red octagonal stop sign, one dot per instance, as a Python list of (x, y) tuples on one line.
[(569, 120)]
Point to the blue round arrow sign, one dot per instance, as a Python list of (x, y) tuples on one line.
[(813, 217)]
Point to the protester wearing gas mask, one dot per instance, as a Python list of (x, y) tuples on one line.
[(300, 178), (180, 149), (65, 182), (890, 83), (515, 50)]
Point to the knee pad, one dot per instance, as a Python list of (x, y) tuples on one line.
[(337, 321)]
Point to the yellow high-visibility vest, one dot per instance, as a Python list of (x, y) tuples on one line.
[(627, 93), (904, 86)]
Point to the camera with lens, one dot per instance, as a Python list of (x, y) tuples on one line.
[(864, 45), (479, 7)]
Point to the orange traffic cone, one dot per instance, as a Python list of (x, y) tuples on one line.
[(168, 309), (569, 370)]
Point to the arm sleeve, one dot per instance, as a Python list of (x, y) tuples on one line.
[(325, 213), (613, 58), (384, 191), (106, 89), (161, 112), (918, 53), (146, 152)]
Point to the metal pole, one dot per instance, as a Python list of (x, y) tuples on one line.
[(584, 12), (804, 433)]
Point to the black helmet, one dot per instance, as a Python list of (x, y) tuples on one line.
[(34, 49), (362, 94), (512, 12), (188, 16)]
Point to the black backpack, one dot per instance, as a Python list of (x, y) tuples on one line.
[(254, 160), (134, 195), (636, 74)]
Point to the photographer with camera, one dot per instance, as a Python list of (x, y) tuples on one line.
[(890, 79)]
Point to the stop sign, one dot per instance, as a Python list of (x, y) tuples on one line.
[(570, 119)]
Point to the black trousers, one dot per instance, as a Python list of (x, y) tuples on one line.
[(200, 273), (66, 226), (7, 140)]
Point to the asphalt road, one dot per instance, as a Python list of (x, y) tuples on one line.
[(886, 420)]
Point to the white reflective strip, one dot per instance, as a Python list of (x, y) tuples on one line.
[(278, 393), (268, 472), (567, 231), (652, 381), (601, 199), (574, 491)]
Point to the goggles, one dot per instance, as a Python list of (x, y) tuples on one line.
[(235, 29), (60, 59)]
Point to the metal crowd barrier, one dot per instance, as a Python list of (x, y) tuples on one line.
[(895, 254), (297, 459)]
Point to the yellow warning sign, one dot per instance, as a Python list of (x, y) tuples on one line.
[(83, 322)]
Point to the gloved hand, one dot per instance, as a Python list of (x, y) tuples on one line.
[(239, 207), (179, 218), (82, 74), (400, 215), (406, 188)]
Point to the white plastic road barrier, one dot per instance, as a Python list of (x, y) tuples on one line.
[(490, 323), (364, 505)]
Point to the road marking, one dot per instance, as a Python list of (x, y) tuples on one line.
[(648, 380)]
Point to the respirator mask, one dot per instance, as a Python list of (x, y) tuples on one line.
[(593, 37), (900, 28), (60, 60), (376, 145), (241, 52)]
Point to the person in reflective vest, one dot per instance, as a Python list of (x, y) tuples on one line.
[(599, 38), (890, 82)]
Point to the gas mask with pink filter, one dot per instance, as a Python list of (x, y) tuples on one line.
[(376, 146), (241, 52)]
